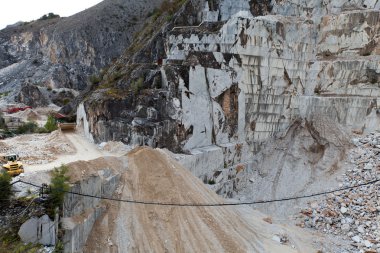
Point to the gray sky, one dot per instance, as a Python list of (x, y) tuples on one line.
[(12, 11)]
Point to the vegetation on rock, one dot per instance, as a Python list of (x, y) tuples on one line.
[(5, 188), (27, 128), (51, 124), (58, 186), (49, 16)]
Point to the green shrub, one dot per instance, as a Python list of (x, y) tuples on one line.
[(2, 122), (49, 16), (152, 12), (10, 242), (66, 101), (137, 85), (27, 128), (27, 248), (211, 181), (94, 79), (168, 18), (59, 184), (4, 94), (41, 130), (59, 247), (6, 188), (51, 124)]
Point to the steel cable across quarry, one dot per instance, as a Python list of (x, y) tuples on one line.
[(141, 202)]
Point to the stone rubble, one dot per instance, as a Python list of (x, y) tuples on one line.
[(353, 214)]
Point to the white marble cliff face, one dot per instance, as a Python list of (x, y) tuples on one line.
[(319, 57)]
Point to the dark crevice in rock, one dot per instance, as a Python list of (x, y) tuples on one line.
[(243, 38), (228, 100), (205, 59), (260, 7)]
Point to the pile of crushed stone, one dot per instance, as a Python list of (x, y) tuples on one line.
[(353, 214), (152, 175)]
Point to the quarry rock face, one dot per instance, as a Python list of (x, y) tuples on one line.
[(282, 71), (80, 212), (244, 72), (64, 52), (39, 230), (32, 96)]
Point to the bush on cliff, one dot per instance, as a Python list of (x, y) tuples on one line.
[(5, 188), (58, 187)]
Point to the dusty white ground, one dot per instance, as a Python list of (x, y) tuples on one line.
[(42, 152)]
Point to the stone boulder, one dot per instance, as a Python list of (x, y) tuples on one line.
[(38, 230), (31, 95)]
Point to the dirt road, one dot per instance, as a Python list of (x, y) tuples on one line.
[(153, 176), (84, 150)]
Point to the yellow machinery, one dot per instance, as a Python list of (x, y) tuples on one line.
[(13, 166)]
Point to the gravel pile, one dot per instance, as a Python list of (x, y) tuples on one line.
[(353, 214)]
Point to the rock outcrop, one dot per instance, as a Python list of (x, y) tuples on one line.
[(244, 72), (243, 75), (64, 52), (304, 160), (39, 231), (99, 177)]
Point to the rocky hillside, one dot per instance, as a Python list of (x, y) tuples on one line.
[(263, 95), (235, 73), (50, 60)]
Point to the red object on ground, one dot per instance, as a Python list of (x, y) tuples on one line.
[(17, 109), (60, 116)]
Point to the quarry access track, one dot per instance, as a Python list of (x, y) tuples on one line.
[(84, 150)]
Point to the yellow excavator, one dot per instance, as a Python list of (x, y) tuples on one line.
[(13, 166)]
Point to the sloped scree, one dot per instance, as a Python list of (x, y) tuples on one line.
[(303, 160), (353, 214)]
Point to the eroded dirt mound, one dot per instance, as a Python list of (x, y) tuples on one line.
[(153, 176), (115, 147), (84, 169)]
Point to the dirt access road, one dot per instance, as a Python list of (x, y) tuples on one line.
[(84, 150), (41, 153)]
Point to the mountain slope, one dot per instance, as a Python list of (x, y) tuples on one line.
[(64, 52), (238, 73)]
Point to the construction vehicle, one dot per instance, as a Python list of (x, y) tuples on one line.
[(63, 122), (13, 166), (67, 126)]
